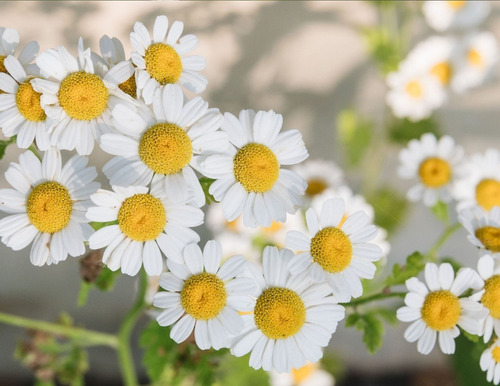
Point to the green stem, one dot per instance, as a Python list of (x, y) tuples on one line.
[(432, 254), (34, 150), (124, 352), (82, 336), (372, 298)]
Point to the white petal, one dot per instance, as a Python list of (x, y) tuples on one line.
[(427, 341), (152, 260), (182, 329), (212, 255), (193, 258)]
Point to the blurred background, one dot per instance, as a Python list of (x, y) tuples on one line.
[(309, 61)]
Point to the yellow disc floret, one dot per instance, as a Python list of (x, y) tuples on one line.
[(28, 103), (256, 168), (203, 296), (2, 65), (83, 96), (488, 193), (142, 217), (441, 310), (315, 186), (491, 296), (163, 63), (165, 148), (49, 207), (475, 59), (495, 353), (414, 89), (279, 313), (443, 72), (434, 172), (129, 87), (490, 237), (331, 249)]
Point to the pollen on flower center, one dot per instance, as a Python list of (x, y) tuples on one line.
[(475, 59), (443, 72), (441, 310), (279, 313), (491, 296), (129, 86), (49, 207), (165, 148), (488, 193), (28, 103), (434, 172), (490, 237), (456, 4), (331, 249), (495, 353), (83, 96), (315, 186), (414, 89), (256, 168), (203, 296), (163, 63), (142, 217)]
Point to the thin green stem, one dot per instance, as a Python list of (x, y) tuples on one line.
[(375, 297), (34, 150), (433, 251), (124, 351), (83, 336)]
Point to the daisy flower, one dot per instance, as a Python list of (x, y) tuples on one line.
[(79, 95), (9, 40), (479, 56), (147, 221), (490, 362), (309, 375), (483, 228), (434, 164), (162, 145), (489, 270), (479, 183), (21, 113), (292, 318), (203, 296), (163, 59), (320, 175), (436, 310), (444, 15), (48, 203), (249, 179), (341, 254)]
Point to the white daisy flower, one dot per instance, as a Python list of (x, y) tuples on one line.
[(147, 221), (9, 40), (162, 145), (436, 310), (78, 97), (163, 59), (292, 318), (113, 54), (204, 296), (49, 204), (414, 94), (490, 362), (249, 178), (340, 254), (309, 375), (320, 175), (444, 15), (479, 56), (483, 228), (489, 270), (434, 163), (479, 184)]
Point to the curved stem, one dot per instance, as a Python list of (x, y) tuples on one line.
[(83, 336), (432, 254), (372, 298), (124, 352)]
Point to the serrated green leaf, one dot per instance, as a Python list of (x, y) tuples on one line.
[(390, 208), (373, 331), (441, 211), (387, 314), (106, 279), (4, 144), (355, 135), (415, 263), (403, 130), (352, 319)]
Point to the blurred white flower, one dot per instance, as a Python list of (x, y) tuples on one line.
[(444, 15)]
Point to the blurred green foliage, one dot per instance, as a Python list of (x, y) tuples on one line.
[(403, 130), (390, 208), (354, 133)]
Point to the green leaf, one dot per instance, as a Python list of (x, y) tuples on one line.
[(236, 371), (415, 263), (465, 360), (205, 183), (390, 208), (355, 135), (388, 315), (383, 47), (99, 225), (4, 144), (441, 212), (83, 294), (403, 130), (106, 279), (373, 331)]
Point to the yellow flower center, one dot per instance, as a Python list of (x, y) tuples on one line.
[(165, 148), (495, 353), (275, 227), (443, 72), (2, 65), (441, 310), (434, 172), (49, 207), (456, 4), (256, 168), (28, 103), (203, 296), (331, 249), (163, 63), (490, 237), (475, 59), (300, 375), (129, 87), (488, 193), (315, 186), (83, 96), (279, 313), (142, 217), (491, 296), (414, 89)]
